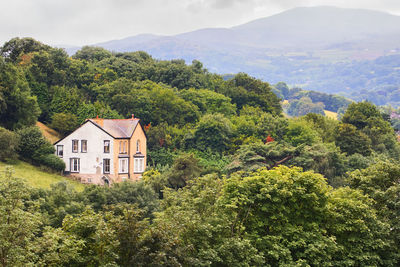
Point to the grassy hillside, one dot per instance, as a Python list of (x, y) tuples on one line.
[(49, 133), (36, 177)]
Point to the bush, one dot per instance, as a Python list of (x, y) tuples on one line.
[(64, 123), (53, 162), (8, 144), (34, 147)]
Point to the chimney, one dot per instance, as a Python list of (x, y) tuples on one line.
[(133, 116), (99, 121)]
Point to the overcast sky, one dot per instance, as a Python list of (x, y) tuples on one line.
[(79, 22)]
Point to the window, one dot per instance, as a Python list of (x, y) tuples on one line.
[(60, 151), (106, 165), (123, 165), (83, 146), (106, 146), (75, 146), (89, 180), (123, 147), (139, 162), (138, 146), (75, 165)]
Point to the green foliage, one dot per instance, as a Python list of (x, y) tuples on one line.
[(89, 111), (208, 101), (92, 53), (300, 132), (18, 108), (99, 238), (64, 123), (184, 168), (9, 142), (19, 220), (213, 132), (304, 106), (33, 146), (17, 47), (137, 193), (294, 217), (254, 122), (251, 157), (245, 90), (381, 182), (351, 140)]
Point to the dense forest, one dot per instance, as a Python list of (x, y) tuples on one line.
[(230, 181), (375, 80)]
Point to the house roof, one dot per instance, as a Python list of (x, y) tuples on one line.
[(118, 128)]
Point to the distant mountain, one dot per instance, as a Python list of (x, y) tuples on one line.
[(289, 46), (298, 29)]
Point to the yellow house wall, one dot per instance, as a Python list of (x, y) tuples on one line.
[(118, 177), (138, 134)]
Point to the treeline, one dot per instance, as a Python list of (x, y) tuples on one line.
[(282, 216), (230, 180), (375, 80)]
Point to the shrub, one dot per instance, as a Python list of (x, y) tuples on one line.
[(64, 123), (8, 144), (53, 162), (34, 147)]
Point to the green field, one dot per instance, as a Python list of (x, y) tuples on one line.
[(36, 177), (331, 114)]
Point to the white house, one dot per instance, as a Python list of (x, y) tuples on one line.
[(104, 151)]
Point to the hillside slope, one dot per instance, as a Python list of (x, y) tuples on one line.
[(36, 177)]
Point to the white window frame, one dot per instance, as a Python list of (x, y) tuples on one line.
[(138, 165), (123, 162), (72, 165), (107, 144), (138, 146), (104, 166), (75, 141), (83, 142), (60, 150)]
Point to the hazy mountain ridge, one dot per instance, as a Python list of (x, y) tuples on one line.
[(305, 46)]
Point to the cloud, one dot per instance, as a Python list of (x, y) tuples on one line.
[(90, 21)]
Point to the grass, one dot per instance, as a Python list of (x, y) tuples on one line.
[(36, 177), (331, 114), (49, 133)]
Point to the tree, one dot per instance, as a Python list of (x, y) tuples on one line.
[(64, 123), (213, 132), (194, 220), (97, 235), (304, 106), (246, 90), (208, 101), (16, 47), (19, 220), (9, 142), (34, 147), (18, 108), (251, 157), (381, 182), (358, 114), (351, 140), (294, 217), (184, 168), (92, 53)]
